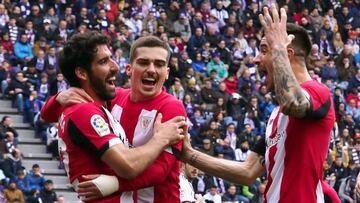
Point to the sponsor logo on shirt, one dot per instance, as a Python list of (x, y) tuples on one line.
[(273, 141), (99, 125)]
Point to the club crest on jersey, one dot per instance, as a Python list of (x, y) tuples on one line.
[(145, 121), (99, 124)]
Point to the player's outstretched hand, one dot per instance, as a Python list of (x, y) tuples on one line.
[(73, 95), (275, 27), (87, 190), (171, 131)]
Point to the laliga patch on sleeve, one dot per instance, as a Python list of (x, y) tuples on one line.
[(99, 124)]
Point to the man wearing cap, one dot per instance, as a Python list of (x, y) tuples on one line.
[(218, 65), (45, 30), (182, 27)]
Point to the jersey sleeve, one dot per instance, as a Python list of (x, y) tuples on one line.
[(159, 170), (51, 110), (320, 100), (89, 129)]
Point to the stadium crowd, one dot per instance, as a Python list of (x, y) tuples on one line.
[(212, 70)]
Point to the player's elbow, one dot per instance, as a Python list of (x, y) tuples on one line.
[(296, 108)]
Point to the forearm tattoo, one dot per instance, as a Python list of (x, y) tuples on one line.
[(287, 89), (193, 158)]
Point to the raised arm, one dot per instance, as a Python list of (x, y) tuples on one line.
[(287, 89)]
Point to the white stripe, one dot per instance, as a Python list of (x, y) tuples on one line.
[(277, 172), (144, 127), (169, 150), (116, 111), (146, 195), (268, 133), (127, 197), (319, 193), (114, 141)]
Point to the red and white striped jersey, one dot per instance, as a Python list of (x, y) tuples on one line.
[(161, 179), (86, 131), (297, 148)]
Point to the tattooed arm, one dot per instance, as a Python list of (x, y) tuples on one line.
[(287, 89), (238, 172), (288, 92)]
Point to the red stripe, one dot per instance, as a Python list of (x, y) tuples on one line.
[(272, 152)]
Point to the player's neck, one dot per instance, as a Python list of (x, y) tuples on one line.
[(93, 95), (137, 97), (300, 72)]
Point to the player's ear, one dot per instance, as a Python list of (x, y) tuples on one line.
[(128, 70), (81, 73), (167, 73), (291, 53)]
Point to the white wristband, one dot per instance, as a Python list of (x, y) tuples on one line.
[(106, 184)]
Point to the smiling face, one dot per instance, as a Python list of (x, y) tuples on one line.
[(102, 74), (264, 62), (148, 72)]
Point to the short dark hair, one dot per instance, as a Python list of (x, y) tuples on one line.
[(302, 41), (80, 51), (148, 41)]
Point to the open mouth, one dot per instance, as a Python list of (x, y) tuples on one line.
[(148, 81), (111, 81)]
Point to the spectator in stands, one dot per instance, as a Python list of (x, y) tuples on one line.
[(5, 76), (243, 151), (23, 50), (34, 197), (13, 29), (346, 189), (346, 71), (31, 74), (7, 44), (18, 90), (196, 42), (12, 164), (36, 17), (48, 195), (30, 32), (22, 182), (329, 71), (13, 194), (9, 142), (223, 147), (6, 126), (36, 178), (58, 85), (338, 43), (218, 66), (208, 94), (339, 170), (32, 107), (212, 195), (177, 90), (46, 31), (182, 27)]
